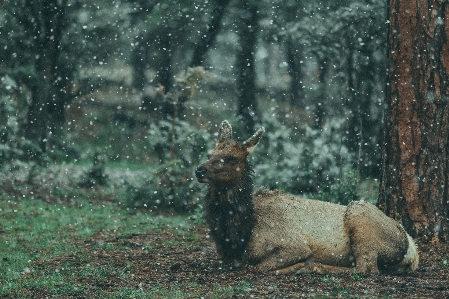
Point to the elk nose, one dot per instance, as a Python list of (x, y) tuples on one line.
[(200, 171)]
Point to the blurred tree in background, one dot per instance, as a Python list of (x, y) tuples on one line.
[(45, 46), (210, 32), (103, 73), (346, 41), (247, 30)]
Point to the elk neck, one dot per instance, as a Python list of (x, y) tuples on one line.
[(230, 215)]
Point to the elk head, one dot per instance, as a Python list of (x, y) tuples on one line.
[(228, 161)]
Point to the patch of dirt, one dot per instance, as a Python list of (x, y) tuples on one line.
[(188, 262)]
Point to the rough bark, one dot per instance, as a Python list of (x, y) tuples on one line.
[(414, 184), (246, 74)]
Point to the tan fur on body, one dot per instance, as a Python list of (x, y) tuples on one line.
[(288, 234)]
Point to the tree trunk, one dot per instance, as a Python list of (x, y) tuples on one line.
[(354, 129), (209, 36), (139, 63), (164, 75), (246, 74), (318, 110), (46, 115), (415, 175), (36, 124), (360, 127), (295, 73), (139, 56)]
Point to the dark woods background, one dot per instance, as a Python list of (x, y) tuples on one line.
[(142, 85)]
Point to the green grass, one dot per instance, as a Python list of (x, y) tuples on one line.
[(43, 251), (337, 289), (31, 231), (50, 249), (239, 291)]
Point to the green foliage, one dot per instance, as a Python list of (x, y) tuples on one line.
[(303, 159), (357, 276), (180, 147), (198, 216), (346, 40), (343, 191), (171, 187), (96, 176), (179, 140)]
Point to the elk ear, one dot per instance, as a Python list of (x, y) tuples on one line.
[(225, 131), (253, 140)]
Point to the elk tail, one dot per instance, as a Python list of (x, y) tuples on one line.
[(411, 258)]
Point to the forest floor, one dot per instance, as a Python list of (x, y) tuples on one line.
[(186, 266), (189, 268), (95, 248)]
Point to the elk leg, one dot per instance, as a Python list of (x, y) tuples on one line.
[(366, 227), (366, 261), (318, 268), (290, 269), (281, 259)]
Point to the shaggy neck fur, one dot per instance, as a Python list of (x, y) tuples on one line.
[(230, 215)]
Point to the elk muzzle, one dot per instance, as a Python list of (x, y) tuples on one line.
[(200, 174)]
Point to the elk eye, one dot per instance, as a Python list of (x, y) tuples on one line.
[(232, 160)]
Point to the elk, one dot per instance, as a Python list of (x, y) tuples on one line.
[(282, 233)]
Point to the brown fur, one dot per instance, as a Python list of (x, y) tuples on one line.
[(283, 233), (230, 216)]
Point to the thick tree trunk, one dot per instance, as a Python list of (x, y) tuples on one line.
[(246, 74), (415, 176)]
